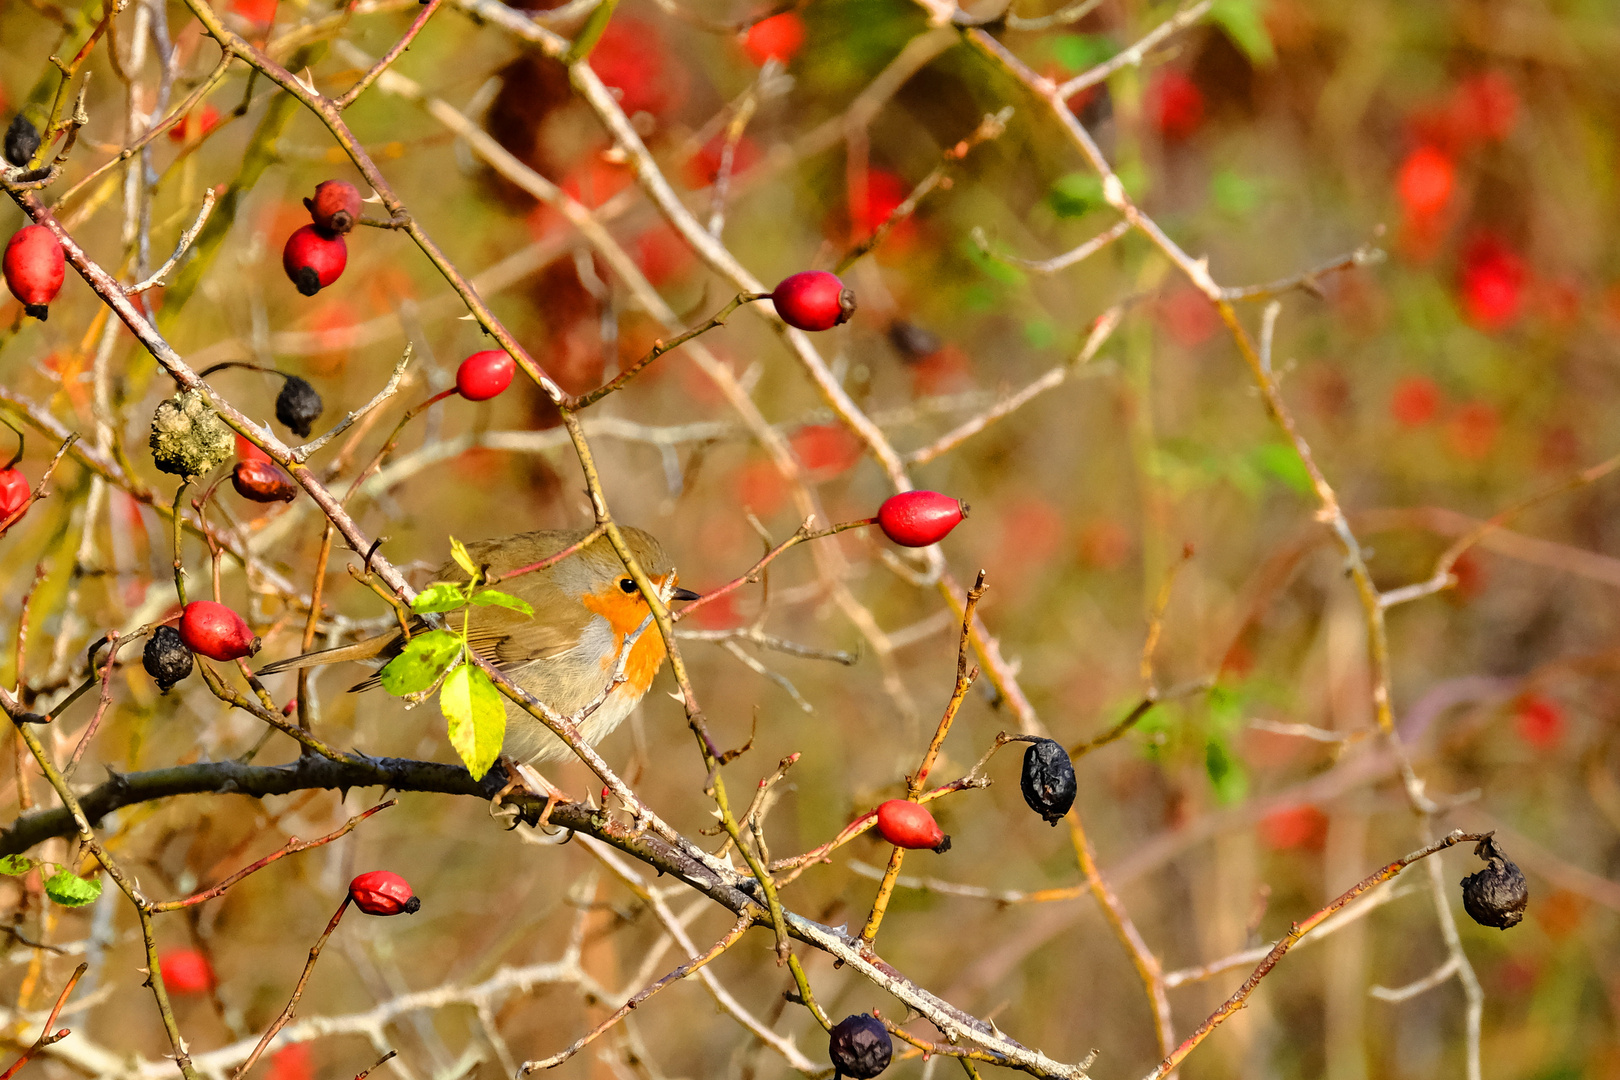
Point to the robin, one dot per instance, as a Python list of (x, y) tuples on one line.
[(566, 654)]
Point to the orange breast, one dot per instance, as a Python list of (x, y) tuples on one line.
[(624, 614)]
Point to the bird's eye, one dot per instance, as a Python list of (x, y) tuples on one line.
[(628, 584)]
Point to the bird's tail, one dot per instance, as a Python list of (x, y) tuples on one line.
[(369, 649)]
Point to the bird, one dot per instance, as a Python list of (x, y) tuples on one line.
[(567, 652)]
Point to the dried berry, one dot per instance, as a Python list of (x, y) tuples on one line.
[(262, 482), (335, 207), (188, 437), (34, 267), (485, 374), (383, 893), (1495, 896), (298, 406), (860, 1046), (909, 825), (914, 342), (813, 300), (22, 141), (313, 261), (920, 518), (216, 631), (166, 657), (1048, 780)]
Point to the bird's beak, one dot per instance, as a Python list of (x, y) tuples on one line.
[(685, 594)]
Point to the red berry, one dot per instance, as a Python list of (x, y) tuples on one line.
[(813, 300), (34, 266), (1425, 182), (246, 451), (195, 125), (14, 492), (909, 825), (1493, 280), (1414, 401), (1540, 721), (1176, 104), (216, 631), (485, 374), (1302, 826), (292, 1063), (335, 207), (261, 481), (383, 893), (775, 38), (186, 971), (919, 518), (313, 261)]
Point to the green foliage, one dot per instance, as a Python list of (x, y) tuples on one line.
[(422, 662), (1244, 23), (439, 597), (15, 865), (71, 890)]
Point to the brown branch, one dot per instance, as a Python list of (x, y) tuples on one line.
[(46, 1037)]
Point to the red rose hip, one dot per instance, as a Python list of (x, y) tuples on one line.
[(919, 518), (216, 631), (485, 374), (34, 268), (14, 492), (186, 971), (335, 207), (381, 892), (813, 300), (261, 481), (313, 261), (909, 825)]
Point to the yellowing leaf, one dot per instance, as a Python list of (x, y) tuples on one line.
[(423, 660), (458, 552), (476, 715)]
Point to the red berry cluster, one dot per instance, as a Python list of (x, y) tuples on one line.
[(35, 266), (316, 254)]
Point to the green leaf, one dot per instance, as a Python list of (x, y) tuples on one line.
[(477, 717), (1078, 52), (71, 890), (13, 865), (1283, 462), (1242, 21), (496, 598), (458, 552), (1226, 774), (441, 596), (423, 660), (1075, 194)]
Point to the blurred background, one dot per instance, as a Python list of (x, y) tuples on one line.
[(1473, 142)]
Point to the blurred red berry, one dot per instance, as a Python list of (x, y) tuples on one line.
[(14, 492), (1174, 104), (1189, 317), (293, 1062), (216, 631), (920, 518), (1425, 182), (703, 167), (1539, 721), (632, 58), (759, 487), (484, 375), (1292, 827), (186, 971), (779, 37), (827, 449), (1471, 577), (1415, 401), (262, 12), (1486, 106), (884, 193), (1473, 430), (663, 254), (1493, 280), (195, 124), (1105, 544), (382, 892), (909, 825)]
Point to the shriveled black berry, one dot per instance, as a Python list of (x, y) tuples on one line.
[(1048, 780), (914, 342), (166, 658), (22, 141), (298, 406), (1495, 896), (859, 1046)]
